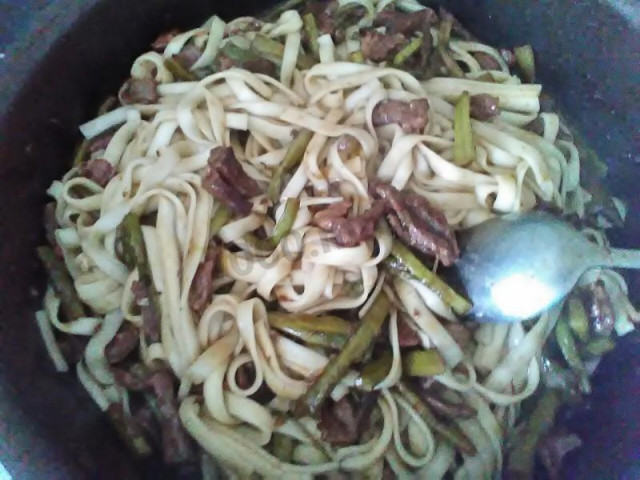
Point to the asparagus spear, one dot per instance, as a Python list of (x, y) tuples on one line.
[(135, 256), (219, 220), (599, 346), (62, 284), (178, 71), (407, 262), (569, 350), (282, 447), (273, 51), (521, 460), (422, 363), (324, 331), (464, 151), (311, 30), (291, 159), (448, 432), (283, 227), (352, 352), (526, 62), (444, 34), (578, 318), (407, 51), (356, 57), (374, 372)]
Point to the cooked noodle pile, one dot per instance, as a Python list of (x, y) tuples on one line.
[(160, 154)]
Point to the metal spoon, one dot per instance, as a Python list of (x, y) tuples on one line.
[(517, 266)]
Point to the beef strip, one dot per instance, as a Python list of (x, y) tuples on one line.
[(405, 23), (327, 217), (447, 408), (407, 336), (98, 170), (227, 181), (188, 56), (508, 56), (411, 116), (338, 423), (124, 342), (150, 316), (349, 232), (175, 441), (139, 91), (432, 394), (159, 381), (129, 430), (484, 106), (254, 65), (160, 43), (486, 61), (73, 347), (101, 142), (202, 286), (379, 47), (459, 333), (323, 11), (600, 309), (418, 223)]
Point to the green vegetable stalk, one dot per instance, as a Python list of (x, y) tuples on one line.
[(356, 57), (311, 30), (569, 349), (407, 262), (283, 447), (291, 160), (273, 51), (135, 256), (578, 318), (353, 352), (521, 461), (407, 51), (526, 62), (219, 220), (599, 346), (423, 363), (178, 71), (62, 283), (324, 331), (283, 227), (464, 151), (444, 35), (268, 48), (374, 372)]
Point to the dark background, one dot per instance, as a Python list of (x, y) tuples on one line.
[(59, 58)]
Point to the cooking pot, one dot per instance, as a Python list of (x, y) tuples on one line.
[(59, 58)]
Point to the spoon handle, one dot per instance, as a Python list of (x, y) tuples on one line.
[(624, 258)]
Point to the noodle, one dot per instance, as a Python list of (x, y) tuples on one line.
[(226, 353)]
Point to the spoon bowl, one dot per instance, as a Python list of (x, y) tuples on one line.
[(517, 266)]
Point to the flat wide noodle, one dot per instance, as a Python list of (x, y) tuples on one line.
[(239, 377)]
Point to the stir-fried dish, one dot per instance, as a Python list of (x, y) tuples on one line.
[(247, 260)]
